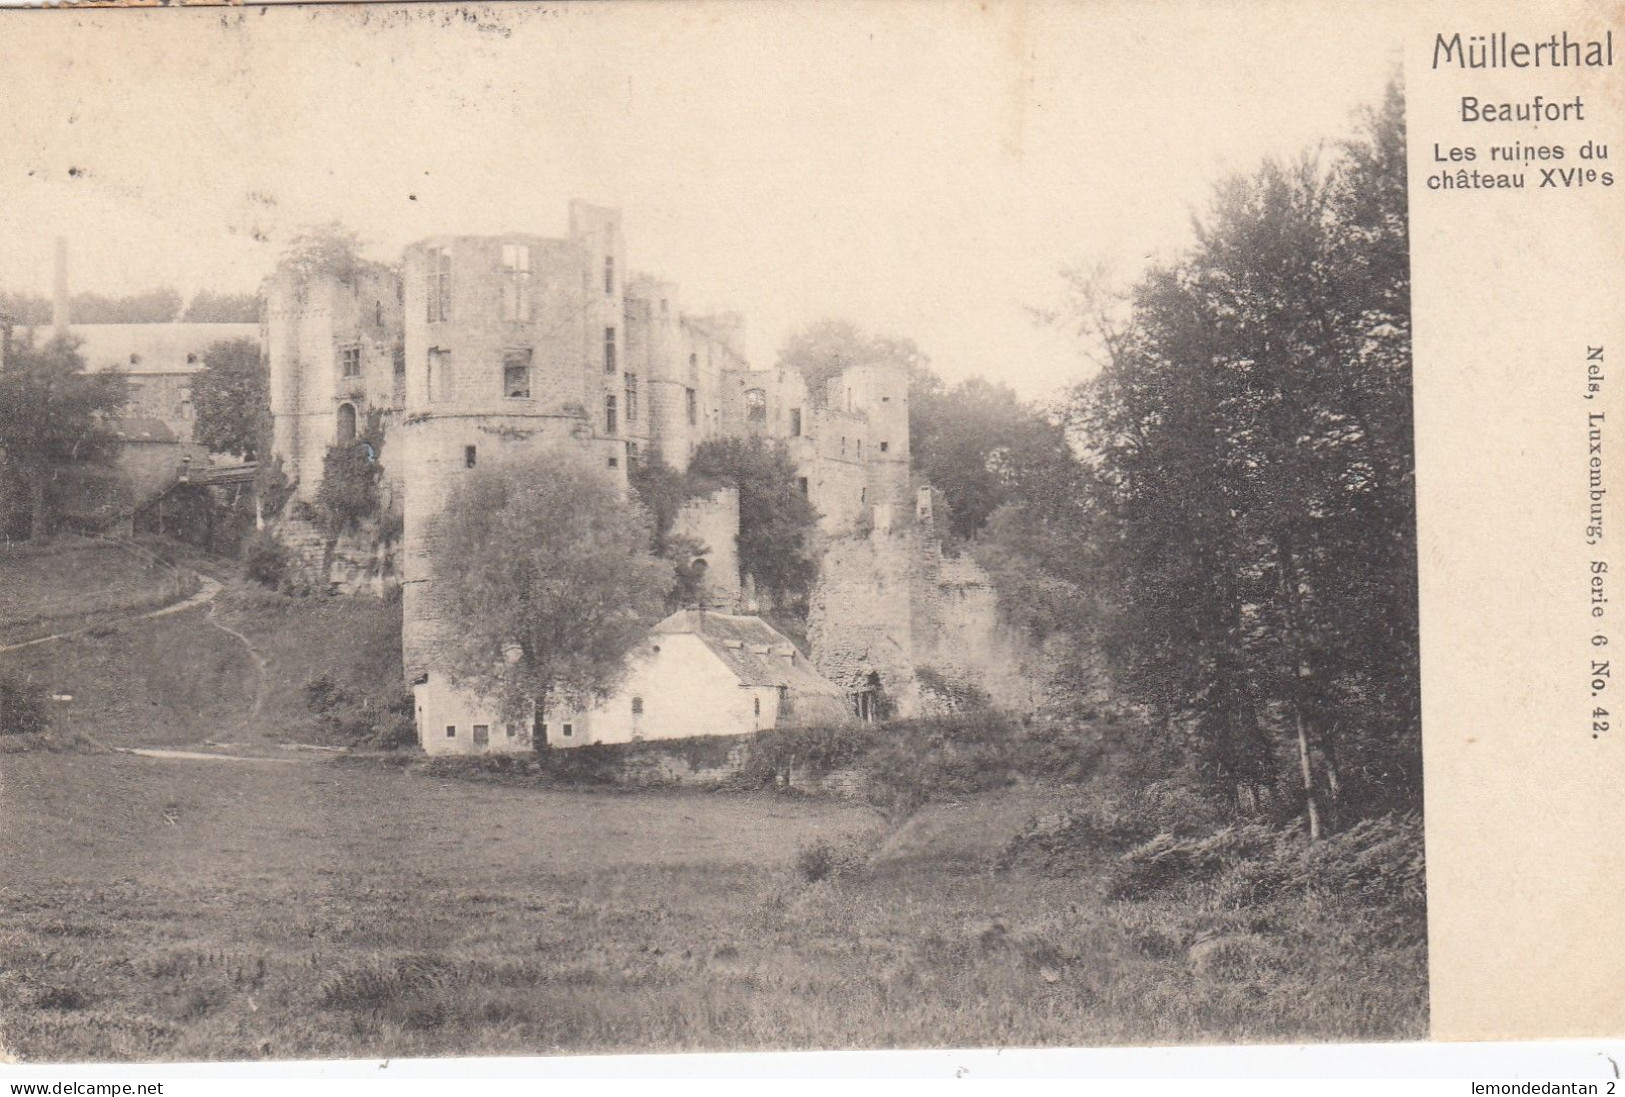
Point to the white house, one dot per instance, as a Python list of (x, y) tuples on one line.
[(698, 672)]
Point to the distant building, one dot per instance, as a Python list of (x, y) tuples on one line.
[(160, 361), (698, 673)]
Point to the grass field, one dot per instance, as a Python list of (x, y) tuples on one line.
[(298, 905), (74, 582), (158, 908)]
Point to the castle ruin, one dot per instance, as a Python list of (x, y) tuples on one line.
[(480, 351)]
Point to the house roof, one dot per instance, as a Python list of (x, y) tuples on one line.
[(757, 653), (157, 348)]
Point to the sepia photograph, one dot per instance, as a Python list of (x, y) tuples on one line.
[(535, 530)]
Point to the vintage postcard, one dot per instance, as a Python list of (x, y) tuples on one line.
[(595, 529)]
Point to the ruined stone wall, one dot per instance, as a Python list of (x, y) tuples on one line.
[(861, 614), (713, 520), (968, 645)]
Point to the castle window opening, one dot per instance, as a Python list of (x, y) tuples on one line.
[(614, 462), (631, 398), (755, 406), (801, 482), (346, 431), (451, 731), (135, 359), (439, 373), (609, 274), (611, 415), (516, 296), (662, 306), (511, 730), (471, 456), (860, 447), (637, 706), (843, 445), (609, 350), (883, 447), (350, 361), (191, 358), (692, 400), (377, 313), (516, 373), (756, 703), (693, 360), (438, 285), (885, 399), (795, 422)]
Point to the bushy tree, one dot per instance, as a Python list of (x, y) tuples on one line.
[(208, 307), (776, 521), (545, 571), (231, 396), (822, 349), (54, 418), (1241, 545), (981, 446)]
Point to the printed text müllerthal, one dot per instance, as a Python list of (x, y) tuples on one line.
[(1499, 50)]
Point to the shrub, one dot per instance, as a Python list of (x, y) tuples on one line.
[(22, 709), (816, 862), (265, 559)]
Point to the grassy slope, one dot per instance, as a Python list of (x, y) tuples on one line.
[(190, 909), (67, 582), (206, 909)]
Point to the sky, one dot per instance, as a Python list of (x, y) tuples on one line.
[(925, 170)]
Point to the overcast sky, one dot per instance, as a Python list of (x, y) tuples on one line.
[(924, 170)]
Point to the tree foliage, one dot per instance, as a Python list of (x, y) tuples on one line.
[(209, 307), (981, 446), (776, 521), (1241, 543), (231, 397), (351, 473), (546, 572), (54, 417), (822, 349)]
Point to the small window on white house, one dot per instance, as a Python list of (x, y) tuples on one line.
[(451, 731), (191, 358), (884, 446), (135, 359), (569, 731), (637, 706), (512, 730)]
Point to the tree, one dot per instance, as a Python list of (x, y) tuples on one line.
[(1241, 535), (157, 306), (776, 521), (208, 307), (981, 447), (54, 418), (822, 349), (231, 396), (545, 571)]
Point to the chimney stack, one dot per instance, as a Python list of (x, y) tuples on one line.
[(59, 296)]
